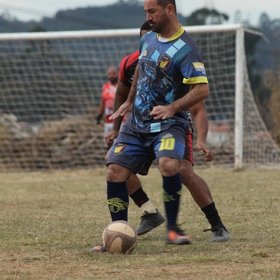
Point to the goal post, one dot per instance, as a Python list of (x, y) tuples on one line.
[(239, 98), (50, 86)]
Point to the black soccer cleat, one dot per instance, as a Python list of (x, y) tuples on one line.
[(219, 234), (149, 221)]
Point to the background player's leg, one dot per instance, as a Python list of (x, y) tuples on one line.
[(151, 217), (202, 196)]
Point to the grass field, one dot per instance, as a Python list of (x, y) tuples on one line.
[(49, 220)]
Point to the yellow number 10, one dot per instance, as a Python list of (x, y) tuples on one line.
[(167, 144)]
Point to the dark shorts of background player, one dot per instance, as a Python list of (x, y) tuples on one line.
[(136, 151)]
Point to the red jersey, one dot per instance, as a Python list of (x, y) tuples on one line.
[(108, 97), (127, 68)]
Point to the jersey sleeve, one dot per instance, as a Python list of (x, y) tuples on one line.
[(127, 68), (193, 70)]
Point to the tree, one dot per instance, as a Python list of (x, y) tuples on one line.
[(205, 16), (38, 28), (264, 21)]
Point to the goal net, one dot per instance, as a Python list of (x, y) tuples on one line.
[(50, 86)]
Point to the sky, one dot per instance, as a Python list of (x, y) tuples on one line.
[(36, 9)]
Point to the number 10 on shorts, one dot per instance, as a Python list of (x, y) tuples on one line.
[(167, 144)]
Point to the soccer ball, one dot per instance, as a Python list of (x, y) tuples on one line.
[(119, 237)]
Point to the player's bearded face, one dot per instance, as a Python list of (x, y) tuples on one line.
[(112, 75), (156, 15), (158, 24), (113, 79)]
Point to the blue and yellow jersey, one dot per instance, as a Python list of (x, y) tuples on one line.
[(167, 70)]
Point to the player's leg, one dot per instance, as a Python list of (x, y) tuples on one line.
[(202, 196), (151, 217), (201, 193), (117, 196), (121, 162), (195, 184), (169, 148), (123, 153)]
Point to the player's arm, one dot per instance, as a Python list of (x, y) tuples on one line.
[(120, 98), (125, 107), (200, 118), (132, 91), (197, 94)]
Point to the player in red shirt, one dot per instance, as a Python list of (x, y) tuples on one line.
[(106, 106)]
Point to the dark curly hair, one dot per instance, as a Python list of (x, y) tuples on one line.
[(164, 3)]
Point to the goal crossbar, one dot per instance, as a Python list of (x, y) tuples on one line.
[(108, 32)]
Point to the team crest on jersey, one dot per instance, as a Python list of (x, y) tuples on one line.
[(165, 60), (119, 148), (199, 66)]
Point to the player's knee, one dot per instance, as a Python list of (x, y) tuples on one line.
[(116, 173), (168, 166)]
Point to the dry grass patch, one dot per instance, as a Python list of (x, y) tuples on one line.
[(49, 220)]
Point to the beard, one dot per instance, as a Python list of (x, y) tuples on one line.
[(159, 26), (156, 27), (113, 80)]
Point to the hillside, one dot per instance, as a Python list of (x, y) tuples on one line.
[(119, 15)]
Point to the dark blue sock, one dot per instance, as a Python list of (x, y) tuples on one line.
[(117, 200), (171, 196)]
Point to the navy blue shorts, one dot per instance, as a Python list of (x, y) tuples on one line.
[(136, 151)]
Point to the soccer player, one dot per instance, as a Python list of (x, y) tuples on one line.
[(198, 188), (106, 105), (169, 78)]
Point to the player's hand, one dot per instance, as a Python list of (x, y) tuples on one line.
[(162, 112), (110, 137), (123, 109), (201, 146)]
